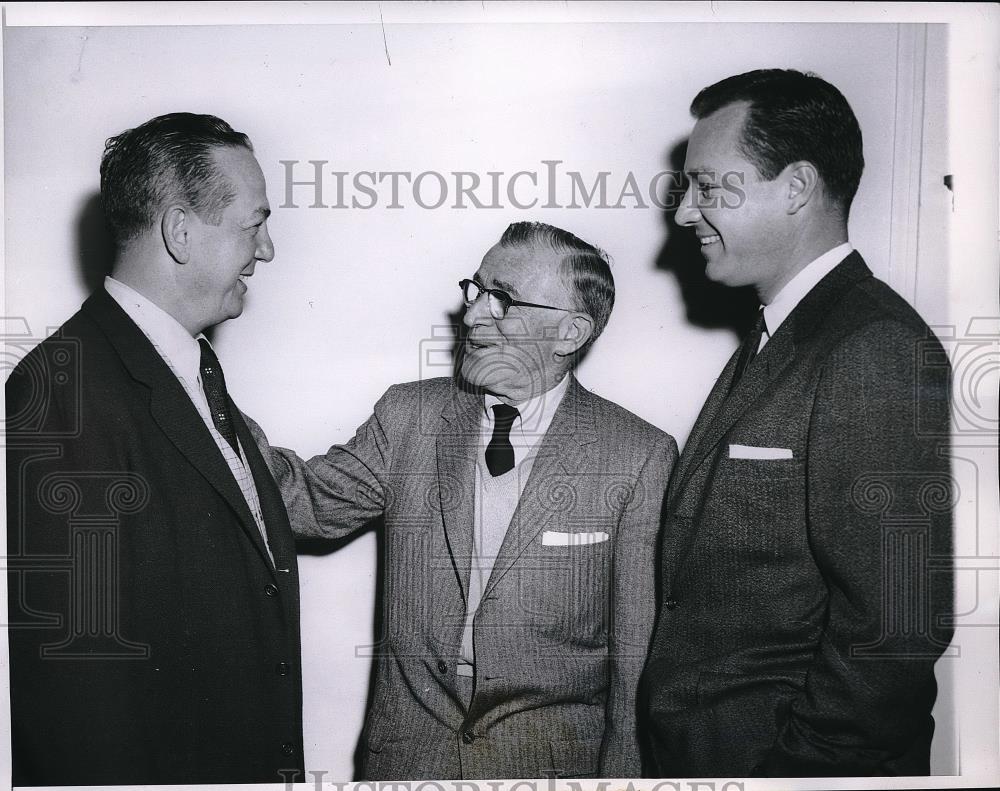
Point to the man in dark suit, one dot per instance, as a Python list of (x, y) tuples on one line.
[(154, 612), (520, 514), (806, 550)]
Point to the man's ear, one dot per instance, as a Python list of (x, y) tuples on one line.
[(574, 332), (175, 228), (803, 184)]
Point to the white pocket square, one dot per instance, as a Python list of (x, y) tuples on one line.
[(553, 538), (751, 452)]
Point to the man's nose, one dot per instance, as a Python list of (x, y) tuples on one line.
[(478, 313), (265, 247), (687, 212)]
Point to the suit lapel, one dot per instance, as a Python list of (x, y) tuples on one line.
[(456, 469), (171, 407), (562, 454), (767, 366), (272, 509), (713, 404), (723, 409)]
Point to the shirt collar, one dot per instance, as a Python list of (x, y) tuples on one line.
[(171, 340), (795, 289), (534, 415)]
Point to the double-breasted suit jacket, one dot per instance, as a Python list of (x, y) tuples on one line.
[(563, 625), (151, 639), (806, 572)]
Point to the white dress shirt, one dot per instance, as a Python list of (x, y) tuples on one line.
[(182, 354), (496, 498), (795, 289)]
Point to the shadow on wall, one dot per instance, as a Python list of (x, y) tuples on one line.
[(454, 319), (708, 305), (95, 247)]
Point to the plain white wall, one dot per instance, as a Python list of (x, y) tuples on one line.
[(351, 302)]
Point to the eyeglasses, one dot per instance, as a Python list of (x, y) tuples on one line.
[(499, 301)]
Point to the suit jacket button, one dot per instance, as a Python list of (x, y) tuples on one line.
[(271, 589), (283, 669), (670, 604), (468, 737), (442, 667), (287, 748)]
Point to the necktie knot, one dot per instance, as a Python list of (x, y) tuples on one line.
[(504, 416), (500, 453), (762, 329), (750, 346), (214, 384)]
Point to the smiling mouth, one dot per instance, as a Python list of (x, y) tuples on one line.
[(707, 240)]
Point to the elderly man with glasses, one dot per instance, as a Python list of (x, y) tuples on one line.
[(521, 515)]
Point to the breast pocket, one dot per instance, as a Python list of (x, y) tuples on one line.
[(562, 585), (762, 481), (759, 503)]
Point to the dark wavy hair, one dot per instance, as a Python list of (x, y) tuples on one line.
[(166, 158), (793, 116)]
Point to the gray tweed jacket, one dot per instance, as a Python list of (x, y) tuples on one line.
[(563, 627)]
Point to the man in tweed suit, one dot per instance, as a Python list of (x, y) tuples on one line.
[(806, 549), (520, 515)]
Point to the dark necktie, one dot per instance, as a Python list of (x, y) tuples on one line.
[(214, 384), (500, 453), (749, 349)]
